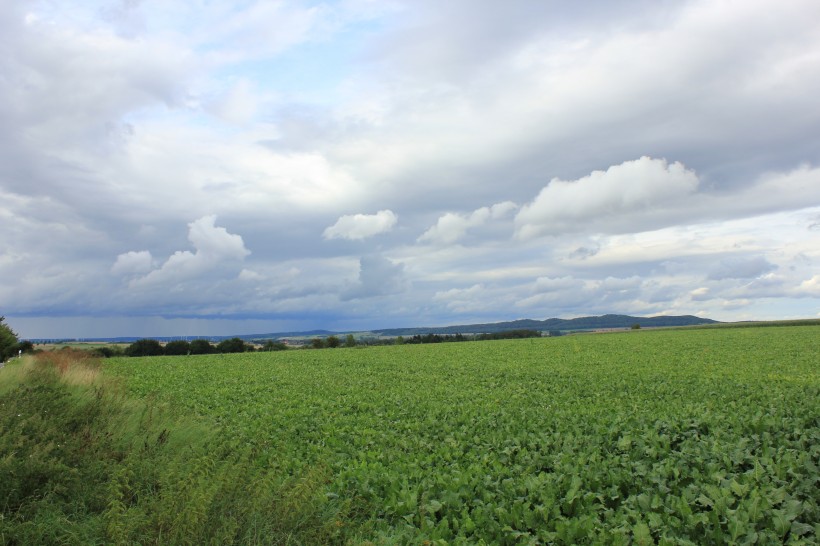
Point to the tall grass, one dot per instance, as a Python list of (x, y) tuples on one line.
[(82, 463)]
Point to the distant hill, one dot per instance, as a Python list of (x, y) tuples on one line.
[(603, 322)]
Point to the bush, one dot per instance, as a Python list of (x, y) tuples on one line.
[(202, 347), (233, 345), (271, 345), (8, 341), (177, 347), (333, 342), (109, 352), (145, 347)]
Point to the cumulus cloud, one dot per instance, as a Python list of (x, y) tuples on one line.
[(215, 247), (645, 185), (109, 115), (361, 226), (133, 262), (810, 287), (453, 226)]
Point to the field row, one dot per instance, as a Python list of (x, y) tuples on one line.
[(678, 437)]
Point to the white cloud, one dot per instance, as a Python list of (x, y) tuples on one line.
[(113, 135), (238, 104), (810, 287), (361, 226), (476, 298), (643, 186), (215, 247), (699, 294), (453, 226), (215, 242), (250, 275), (134, 262)]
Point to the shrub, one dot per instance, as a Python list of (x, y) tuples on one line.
[(202, 347), (271, 345), (233, 345), (177, 347), (145, 347), (8, 341)]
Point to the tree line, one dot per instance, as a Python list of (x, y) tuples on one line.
[(454, 338), (152, 347), (10, 345)]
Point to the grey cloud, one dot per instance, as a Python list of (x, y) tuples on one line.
[(107, 146), (378, 276), (583, 252), (741, 268)]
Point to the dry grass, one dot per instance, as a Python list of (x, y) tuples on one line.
[(74, 366)]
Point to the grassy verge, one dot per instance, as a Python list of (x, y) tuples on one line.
[(82, 463)]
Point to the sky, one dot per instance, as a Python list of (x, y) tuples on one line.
[(219, 167)]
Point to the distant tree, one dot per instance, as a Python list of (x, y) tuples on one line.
[(109, 351), (233, 345), (25, 347), (317, 343), (202, 347), (350, 341), (400, 340), (8, 341), (333, 342), (177, 347), (145, 347), (271, 345), (636, 326)]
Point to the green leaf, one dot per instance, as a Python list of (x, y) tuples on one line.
[(738, 489), (799, 529), (793, 508), (433, 506), (642, 535)]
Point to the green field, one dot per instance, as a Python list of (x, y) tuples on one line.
[(672, 437)]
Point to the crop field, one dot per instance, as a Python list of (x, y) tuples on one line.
[(645, 437)]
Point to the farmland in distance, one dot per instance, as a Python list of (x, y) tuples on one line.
[(674, 437)]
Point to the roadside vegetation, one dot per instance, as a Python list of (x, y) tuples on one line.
[(83, 463), (10, 346)]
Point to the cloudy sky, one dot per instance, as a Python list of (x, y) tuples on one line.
[(222, 167)]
